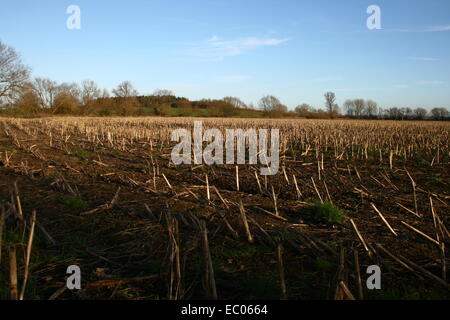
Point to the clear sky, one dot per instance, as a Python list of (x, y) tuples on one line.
[(293, 49)]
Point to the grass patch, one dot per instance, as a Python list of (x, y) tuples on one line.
[(14, 236), (435, 180), (323, 264), (83, 154), (73, 203), (9, 149), (324, 212), (118, 152)]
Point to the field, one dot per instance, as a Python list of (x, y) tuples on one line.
[(348, 195)]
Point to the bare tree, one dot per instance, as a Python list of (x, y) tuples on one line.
[(360, 105), (395, 113), (89, 91), (163, 93), (349, 107), (408, 113), (402, 113), (303, 109), (420, 113), (46, 90), (330, 99), (336, 110), (64, 103), (28, 101), (281, 108), (269, 103), (235, 102), (439, 113), (371, 108), (72, 89), (13, 74), (125, 90)]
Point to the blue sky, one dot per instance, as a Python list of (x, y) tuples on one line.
[(295, 50)]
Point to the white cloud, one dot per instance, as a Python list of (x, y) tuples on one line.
[(423, 59), (438, 28), (431, 82), (423, 29), (217, 49), (421, 82)]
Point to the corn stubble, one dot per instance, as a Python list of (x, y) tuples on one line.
[(198, 231)]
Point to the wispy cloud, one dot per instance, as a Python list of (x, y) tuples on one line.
[(233, 79), (217, 49), (423, 29), (431, 82), (419, 83), (438, 28), (423, 59)]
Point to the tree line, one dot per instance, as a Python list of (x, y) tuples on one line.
[(369, 109), (20, 95)]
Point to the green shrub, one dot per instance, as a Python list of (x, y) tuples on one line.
[(324, 212), (73, 203), (82, 154)]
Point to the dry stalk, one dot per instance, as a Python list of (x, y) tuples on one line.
[(2, 225), (285, 176), (233, 232), (317, 191), (421, 233), (358, 275), (208, 195), (346, 290), (209, 281), (237, 178), (257, 180), (16, 200), (339, 294), (413, 183), (13, 273), (361, 237), (299, 193), (283, 295), (274, 198), (28, 254), (245, 222), (384, 219), (436, 226), (408, 210)]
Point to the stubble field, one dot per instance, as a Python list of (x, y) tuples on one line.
[(348, 195)]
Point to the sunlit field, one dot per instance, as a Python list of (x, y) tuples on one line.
[(348, 194)]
